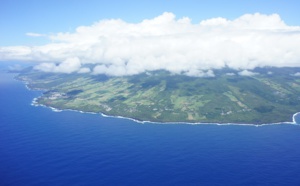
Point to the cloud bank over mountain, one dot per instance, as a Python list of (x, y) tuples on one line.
[(117, 48)]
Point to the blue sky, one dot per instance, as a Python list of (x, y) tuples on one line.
[(18, 17)]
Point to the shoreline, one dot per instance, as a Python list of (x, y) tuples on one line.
[(293, 122), (34, 103)]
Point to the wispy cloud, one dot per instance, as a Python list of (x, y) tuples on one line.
[(32, 34), (118, 48)]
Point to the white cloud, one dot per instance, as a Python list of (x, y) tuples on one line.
[(200, 73), (120, 48), (84, 70), (32, 34), (219, 21), (247, 73), (15, 53), (67, 66)]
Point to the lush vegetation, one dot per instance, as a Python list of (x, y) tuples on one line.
[(273, 95)]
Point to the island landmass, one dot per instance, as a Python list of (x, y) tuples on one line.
[(270, 95)]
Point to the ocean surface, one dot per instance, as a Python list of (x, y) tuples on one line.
[(41, 147)]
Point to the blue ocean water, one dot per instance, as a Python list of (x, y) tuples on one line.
[(42, 147)]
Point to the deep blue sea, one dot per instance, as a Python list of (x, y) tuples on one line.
[(42, 147)]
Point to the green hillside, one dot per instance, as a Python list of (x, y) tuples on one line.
[(273, 95)]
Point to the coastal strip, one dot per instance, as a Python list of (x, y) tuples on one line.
[(35, 103)]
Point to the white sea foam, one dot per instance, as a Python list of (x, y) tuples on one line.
[(294, 116), (199, 123), (55, 109)]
